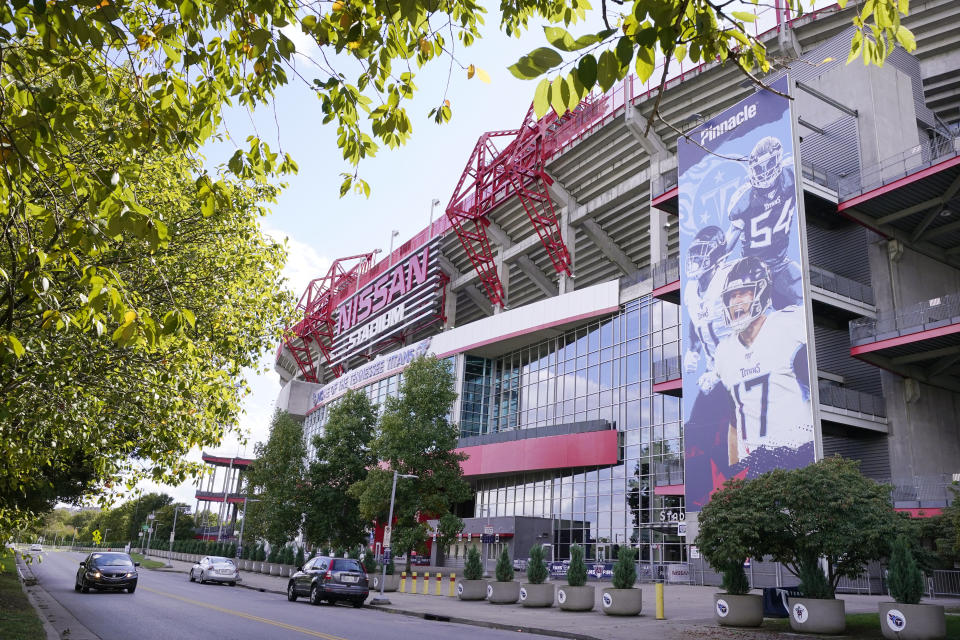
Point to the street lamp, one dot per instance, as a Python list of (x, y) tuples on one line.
[(244, 521), (176, 511), (105, 537), (381, 599)]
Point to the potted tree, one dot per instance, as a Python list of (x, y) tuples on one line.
[(504, 590), (623, 599), (536, 592), (391, 581), (737, 607), (906, 618), (472, 586), (577, 595)]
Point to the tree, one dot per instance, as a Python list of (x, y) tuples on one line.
[(905, 578), (536, 567), (577, 570), (625, 569), (415, 438), (472, 568), (504, 568), (827, 511), (342, 458), (276, 477)]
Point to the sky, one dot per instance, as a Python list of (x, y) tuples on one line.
[(320, 226)]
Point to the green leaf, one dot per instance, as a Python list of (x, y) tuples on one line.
[(560, 38), (14, 345), (625, 51), (559, 94), (645, 63), (540, 100), (188, 10), (855, 44), (608, 67), (587, 71), (545, 58), (906, 38), (746, 16), (524, 69)]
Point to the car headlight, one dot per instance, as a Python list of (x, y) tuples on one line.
[(93, 574), (130, 574)]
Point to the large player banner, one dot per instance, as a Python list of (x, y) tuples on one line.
[(746, 375)]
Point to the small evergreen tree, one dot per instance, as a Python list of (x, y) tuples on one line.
[(813, 583), (473, 570), (625, 571), (272, 556), (300, 559), (390, 566), (577, 570), (504, 569), (261, 553), (905, 578), (369, 562), (735, 579), (536, 567)]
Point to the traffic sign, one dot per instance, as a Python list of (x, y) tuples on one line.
[(386, 535), (486, 538), (171, 536), (150, 516), (488, 529), (145, 527)]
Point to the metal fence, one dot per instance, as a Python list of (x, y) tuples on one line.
[(926, 491), (928, 153), (930, 314), (665, 272), (835, 395), (666, 369), (841, 285), (944, 583)]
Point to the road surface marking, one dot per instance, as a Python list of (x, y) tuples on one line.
[(240, 614)]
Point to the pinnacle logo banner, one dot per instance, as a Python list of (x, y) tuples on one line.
[(747, 405)]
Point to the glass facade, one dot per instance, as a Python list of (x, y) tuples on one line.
[(601, 371)]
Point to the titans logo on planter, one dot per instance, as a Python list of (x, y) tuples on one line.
[(746, 374)]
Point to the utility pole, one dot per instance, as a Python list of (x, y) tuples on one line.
[(150, 517), (173, 531), (244, 521), (381, 599)]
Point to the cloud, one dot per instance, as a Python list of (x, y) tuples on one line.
[(304, 43), (303, 262)]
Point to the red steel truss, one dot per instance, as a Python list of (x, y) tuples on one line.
[(493, 176), (317, 304)]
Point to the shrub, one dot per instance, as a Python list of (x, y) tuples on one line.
[(577, 571), (390, 567), (536, 567), (272, 556), (369, 562), (299, 560), (625, 571), (905, 578), (472, 570), (504, 567), (813, 583), (735, 579), (261, 553)]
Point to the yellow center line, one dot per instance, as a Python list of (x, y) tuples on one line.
[(240, 614)]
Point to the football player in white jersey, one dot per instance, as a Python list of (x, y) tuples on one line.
[(763, 365), (711, 414), (762, 214)]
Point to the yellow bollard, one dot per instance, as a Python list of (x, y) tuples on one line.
[(453, 585), (426, 583), (413, 588), (659, 591), (403, 582), (439, 581)]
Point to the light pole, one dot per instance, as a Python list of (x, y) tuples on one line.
[(149, 537), (244, 521), (381, 599), (176, 511), (393, 234), (432, 205), (105, 537)]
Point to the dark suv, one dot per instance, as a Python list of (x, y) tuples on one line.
[(331, 579)]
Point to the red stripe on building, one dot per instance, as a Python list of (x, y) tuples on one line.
[(665, 197), (669, 490), (532, 454), (665, 289), (907, 339), (922, 513), (669, 385)]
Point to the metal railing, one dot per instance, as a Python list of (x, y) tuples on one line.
[(841, 285), (835, 395), (927, 491), (666, 369), (944, 582), (668, 473), (926, 154), (930, 314), (820, 176), (665, 272)]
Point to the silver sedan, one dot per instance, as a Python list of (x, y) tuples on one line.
[(215, 569)]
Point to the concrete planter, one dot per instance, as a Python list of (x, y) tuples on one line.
[(576, 598), (809, 615), (391, 582), (265, 567), (503, 592), (537, 595), (276, 569), (471, 589), (737, 611), (912, 621), (622, 602)]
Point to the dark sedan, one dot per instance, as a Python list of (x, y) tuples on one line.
[(331, 579), (107, 571)]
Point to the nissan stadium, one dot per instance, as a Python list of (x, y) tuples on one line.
[(767, 277)]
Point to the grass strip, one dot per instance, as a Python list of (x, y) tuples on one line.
[(145, 563), (18, 619)]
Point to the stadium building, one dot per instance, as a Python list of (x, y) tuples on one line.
[(564, 285)]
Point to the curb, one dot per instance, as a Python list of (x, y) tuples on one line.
[(485, 624), (57, 621)]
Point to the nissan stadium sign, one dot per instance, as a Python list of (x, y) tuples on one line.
[(400, 299)]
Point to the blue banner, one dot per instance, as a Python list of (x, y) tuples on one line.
[(746, 377)]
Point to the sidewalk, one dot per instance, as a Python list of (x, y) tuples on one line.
[(688, 611)]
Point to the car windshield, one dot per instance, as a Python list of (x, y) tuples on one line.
[(346, 564), (112, 560), (219, 560)]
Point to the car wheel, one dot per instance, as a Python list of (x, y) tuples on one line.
[(131, 589), (203, 580), (233, 584), (84, 587), (315, 595), (291, 592), (191, 576), (76, 585), (358, 603)]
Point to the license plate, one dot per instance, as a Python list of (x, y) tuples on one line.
[(224, 571), (349, 579)]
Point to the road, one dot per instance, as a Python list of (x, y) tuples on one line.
[(166, 605)]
